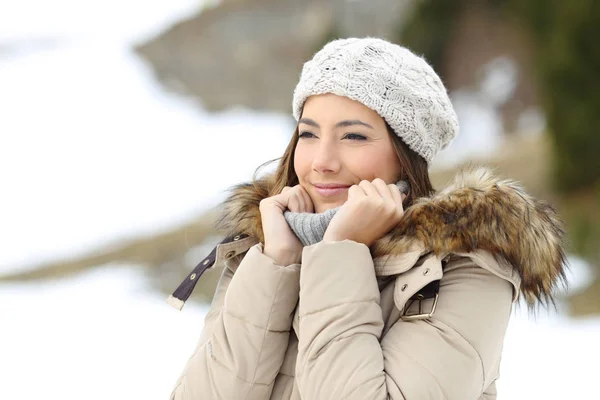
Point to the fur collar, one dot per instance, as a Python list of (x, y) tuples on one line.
[(477, 211)]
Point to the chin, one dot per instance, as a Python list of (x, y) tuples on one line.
[(327, 206)]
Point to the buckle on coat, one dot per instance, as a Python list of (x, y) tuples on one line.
[(420, 314), (431, 291)]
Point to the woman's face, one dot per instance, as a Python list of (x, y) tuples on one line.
[(341, 142)]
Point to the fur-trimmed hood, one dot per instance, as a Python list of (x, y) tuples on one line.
[(476, 211)]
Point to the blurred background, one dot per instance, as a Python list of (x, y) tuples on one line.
[(123, 123)]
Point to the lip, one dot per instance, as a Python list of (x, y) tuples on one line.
[(330, 189)]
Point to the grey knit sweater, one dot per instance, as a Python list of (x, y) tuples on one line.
[(310, 227)]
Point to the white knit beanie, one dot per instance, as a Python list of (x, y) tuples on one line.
[(389, 79)]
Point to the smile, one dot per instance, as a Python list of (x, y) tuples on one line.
[(331, 190)]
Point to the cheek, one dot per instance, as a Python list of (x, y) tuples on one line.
[(392, 165), (369, 165), (365, 163), (301, 163)]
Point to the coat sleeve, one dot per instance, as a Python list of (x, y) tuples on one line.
[(246, 332), (341, 355)]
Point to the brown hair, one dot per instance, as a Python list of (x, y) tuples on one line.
[(414, 169)]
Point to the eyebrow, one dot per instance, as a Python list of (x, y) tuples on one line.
[(341, 124)]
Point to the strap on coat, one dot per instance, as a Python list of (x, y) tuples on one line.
[(185, 289)]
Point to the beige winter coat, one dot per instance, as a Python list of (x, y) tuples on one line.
[(420, 315)]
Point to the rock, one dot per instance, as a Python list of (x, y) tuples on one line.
[(250, 52)]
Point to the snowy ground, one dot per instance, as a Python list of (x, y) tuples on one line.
[(92, 149), (103, 335), (99, 336)]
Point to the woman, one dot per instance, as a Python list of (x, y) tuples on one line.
[(405, 297)]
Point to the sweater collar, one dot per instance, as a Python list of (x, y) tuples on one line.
[(477, 211)]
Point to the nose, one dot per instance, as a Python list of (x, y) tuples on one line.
[(326, 158)]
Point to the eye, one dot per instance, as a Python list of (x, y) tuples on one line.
[(355, 136), (306, 135)]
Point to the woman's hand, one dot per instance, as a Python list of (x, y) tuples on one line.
[(371, 211), (281, 244)]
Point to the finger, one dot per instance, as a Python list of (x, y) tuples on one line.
[(283, 198), (298, 200), (302, 198), (355, 191), (383, 189), (397, 196), (369, 189), (294, 203), (307, 200)]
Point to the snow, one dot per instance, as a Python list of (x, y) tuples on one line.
[(97, 336), (93, 150), (104, 335), (551, 357), (116, 21)]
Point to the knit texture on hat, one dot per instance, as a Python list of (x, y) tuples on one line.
[(389, 79)]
